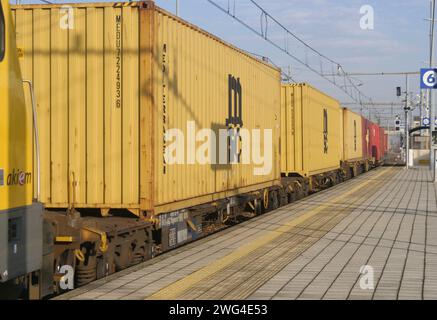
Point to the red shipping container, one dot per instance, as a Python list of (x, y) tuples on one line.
[(382, 143), (375, 142), (367, 154)]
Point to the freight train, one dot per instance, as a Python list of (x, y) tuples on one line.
[(137, 132)]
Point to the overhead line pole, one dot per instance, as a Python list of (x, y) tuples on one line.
[(407, 125), (431, 95)]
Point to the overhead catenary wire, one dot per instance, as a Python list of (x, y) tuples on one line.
[(285, 75), (345, 84)]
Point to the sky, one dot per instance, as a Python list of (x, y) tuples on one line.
[(399, 41)]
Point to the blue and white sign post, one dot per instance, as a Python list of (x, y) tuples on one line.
[(426, 122), (428, 78), (428, 81)]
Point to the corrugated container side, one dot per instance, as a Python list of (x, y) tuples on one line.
[(382, 142), (192, 87), (365, 134), (86, 86), (109, 86), (312, 132), (352, 136), (375, 142)]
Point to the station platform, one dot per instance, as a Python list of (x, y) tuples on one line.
[(372, 237)]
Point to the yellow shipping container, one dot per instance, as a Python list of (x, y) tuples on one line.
[(111, 79), (311, 131), (352, 136)]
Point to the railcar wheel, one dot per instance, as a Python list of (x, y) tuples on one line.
[(283, 198), (266, 200), (86, 272), (138, 256), (258, 206), (274, 200), (291, 197)]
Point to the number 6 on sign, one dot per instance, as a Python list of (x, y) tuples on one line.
[(428, 78)]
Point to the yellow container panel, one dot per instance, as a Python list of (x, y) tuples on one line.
[(95, 107), (59, 110), (312, 134), (77, 114), (191, 89), (112, 102), (108, 89), (352, 136), (130, 103), (41, 81), (86, 85)]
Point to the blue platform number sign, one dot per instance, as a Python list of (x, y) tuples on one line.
[(428, 78)]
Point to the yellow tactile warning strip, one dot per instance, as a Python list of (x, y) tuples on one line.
[(180, 287)]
